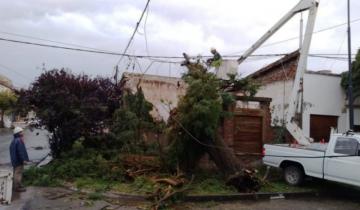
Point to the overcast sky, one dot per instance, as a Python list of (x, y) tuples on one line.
[(172, 27)]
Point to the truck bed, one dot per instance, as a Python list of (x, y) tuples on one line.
[(314, 146)]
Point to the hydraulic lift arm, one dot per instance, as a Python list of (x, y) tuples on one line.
[(303, 5)]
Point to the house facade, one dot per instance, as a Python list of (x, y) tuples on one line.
[(161, 91), (324, 100)]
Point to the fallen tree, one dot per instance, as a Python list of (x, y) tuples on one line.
[(193, 126)]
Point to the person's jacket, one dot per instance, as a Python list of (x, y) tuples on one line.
[(18, 153)]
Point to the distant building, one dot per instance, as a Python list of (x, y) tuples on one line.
[(6, 85), (324, 100), (163, 92)]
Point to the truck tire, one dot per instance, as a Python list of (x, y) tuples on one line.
[(294, 175)]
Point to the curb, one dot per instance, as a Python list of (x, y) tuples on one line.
[(250, 196), (207, 198)]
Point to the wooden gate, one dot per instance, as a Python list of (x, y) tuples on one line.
[(248, 134)]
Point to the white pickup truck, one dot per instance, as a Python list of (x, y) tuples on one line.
[(338, 160)]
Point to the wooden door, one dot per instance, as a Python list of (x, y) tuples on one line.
[(320, 126), (248, 134)]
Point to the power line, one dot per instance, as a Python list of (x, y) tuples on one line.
[(53, 41), (156, 58), (100, 51), (14, 71), (135, 30), (145, 33)]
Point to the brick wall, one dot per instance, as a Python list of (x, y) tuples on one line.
[(281, 72)]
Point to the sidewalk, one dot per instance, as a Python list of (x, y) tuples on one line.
[(38, 198)]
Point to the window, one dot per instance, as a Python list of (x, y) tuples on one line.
[(357, 128), (346, 146)]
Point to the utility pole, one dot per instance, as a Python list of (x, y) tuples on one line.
[(116, 74), (301, 30), (350, 89)]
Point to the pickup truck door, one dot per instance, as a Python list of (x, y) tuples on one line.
[(343, 169)]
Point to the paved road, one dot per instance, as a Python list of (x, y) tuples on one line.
[(61, 199), (304, 204), (36, 198), (33, 139)]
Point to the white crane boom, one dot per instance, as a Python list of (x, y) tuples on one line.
[(303, 5)]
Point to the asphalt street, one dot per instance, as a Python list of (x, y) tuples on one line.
[(36, 142)]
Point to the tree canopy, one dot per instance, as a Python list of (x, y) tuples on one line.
[(355, 70), (195, 122), (72, 106), (131, 120)]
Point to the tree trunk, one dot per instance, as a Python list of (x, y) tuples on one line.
[(236, 175), (224, 158)]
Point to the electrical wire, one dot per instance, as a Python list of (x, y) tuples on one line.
[(53, 41), (249, 154), (135, 30), (14, 71), (154, 57), (339, 50), (145, 32)]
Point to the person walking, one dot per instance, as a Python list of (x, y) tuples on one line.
[(19, 157)]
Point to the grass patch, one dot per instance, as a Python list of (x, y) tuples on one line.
[(211, 186), (96, 185), (40, 177), (281, 186), (142, 185), (95, 196)]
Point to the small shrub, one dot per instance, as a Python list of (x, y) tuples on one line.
[(40, 177)]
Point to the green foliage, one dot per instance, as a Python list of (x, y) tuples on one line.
[(198, 113), (7, 103), (78, 163), (355, 77), (143, 184), (245, 85), (196, 120), (131, 121), (280, 134), (97, 185), (40, 177)]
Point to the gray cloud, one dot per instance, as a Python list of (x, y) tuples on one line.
[(173, 27)]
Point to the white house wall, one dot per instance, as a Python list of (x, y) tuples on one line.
[(323, 95), (279, 92), (326, 97)]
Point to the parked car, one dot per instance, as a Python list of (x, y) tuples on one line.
[(338, 160)]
